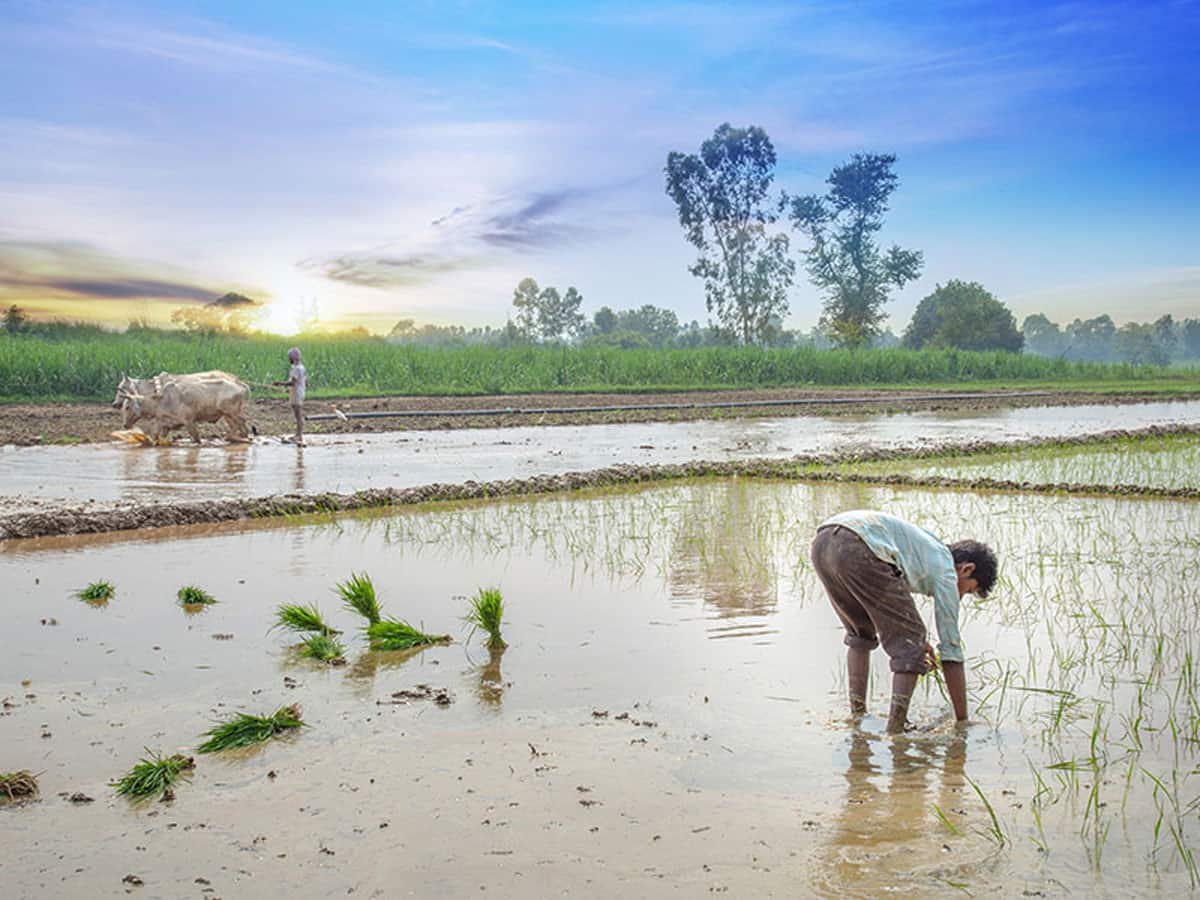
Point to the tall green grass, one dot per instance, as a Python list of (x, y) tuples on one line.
[(87, 364)]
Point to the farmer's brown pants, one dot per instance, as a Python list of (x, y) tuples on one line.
[(871, 597)]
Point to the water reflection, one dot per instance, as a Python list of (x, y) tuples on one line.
[(369, 663), (888, 831), (490, 686), (721, 552), (298, 481), (166, 468)]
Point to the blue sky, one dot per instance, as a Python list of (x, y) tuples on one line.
[(416, 160)]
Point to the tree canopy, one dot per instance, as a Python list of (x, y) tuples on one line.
[(723, 198), (965, 315), (545, 314), (843, 259), (15, 319)]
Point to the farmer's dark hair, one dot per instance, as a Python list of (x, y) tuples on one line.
[(984, 559)]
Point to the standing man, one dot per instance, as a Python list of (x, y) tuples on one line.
[(297, 381), (870, 563)]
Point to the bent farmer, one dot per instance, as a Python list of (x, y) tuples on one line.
[(296, 383), (870, 563)]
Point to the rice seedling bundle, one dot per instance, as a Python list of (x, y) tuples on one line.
[(244, 730), (301, 619), (189, 595), (486, 613), (18, 784), (153, 776), (97, 592), (358, 592), (324, 648), (393, 634)]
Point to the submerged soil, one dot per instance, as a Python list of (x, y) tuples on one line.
[(32, 424)]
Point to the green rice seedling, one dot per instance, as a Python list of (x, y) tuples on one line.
[(97, 592), (942, 818), (486, 613), (243, 730), (190, 595), (153, 776), (995, 831), (15, 785), (393, 634), (324, 648), (301, 619), (359, 594)]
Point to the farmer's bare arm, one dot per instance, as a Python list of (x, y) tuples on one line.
[(956, 687)]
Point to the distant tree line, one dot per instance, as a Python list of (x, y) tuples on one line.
[(1099, 339)]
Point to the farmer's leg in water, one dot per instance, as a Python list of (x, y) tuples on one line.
[(836, 559), (956, 686), (298, 411), (858, 677), (872, 599)]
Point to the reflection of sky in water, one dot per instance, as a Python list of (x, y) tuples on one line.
[(403, 459)]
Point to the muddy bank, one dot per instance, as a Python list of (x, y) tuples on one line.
[(52, 519), (32, 424)]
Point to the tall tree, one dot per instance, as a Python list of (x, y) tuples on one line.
[(1042, 336), (1140, 343), (965, 315), (604, 320), (545, 313), (659, 326), (843, 260), (525, 301), (15, 319), (1191, 337), (722, 195), (1091, 339)]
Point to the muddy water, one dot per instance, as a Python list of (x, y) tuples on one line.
[(123, 473), (668, 715)]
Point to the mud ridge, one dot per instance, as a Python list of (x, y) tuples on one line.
[(89, 520)]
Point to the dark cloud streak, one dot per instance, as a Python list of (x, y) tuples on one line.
[(128, 289), (527, 227), (62, 270), (387, 271)]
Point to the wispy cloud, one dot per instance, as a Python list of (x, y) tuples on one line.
[(78, 271), (387, 271), (202, 44), (470, 237), (533, 225)]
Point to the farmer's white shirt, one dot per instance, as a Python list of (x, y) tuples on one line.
[(297, 382)]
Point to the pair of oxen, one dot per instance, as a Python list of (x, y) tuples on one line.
[(168, 402)]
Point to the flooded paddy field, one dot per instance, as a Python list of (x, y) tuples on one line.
[(98, 477), (669, 715), (1166, 461)]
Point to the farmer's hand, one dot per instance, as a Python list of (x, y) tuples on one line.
[(931, 660)]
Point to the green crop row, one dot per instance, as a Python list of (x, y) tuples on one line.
[(88, 366)]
